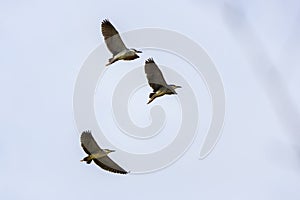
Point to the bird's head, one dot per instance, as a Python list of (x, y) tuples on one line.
[(136, 51), (175, 86), (107, 151)]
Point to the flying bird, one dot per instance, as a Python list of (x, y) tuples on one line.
[(157, 82), (115, 44), (98, 155)]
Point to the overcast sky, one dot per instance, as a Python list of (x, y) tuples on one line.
[(255, 47)]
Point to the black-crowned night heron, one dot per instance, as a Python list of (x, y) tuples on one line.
[(157, 81), (98, 155), (115, 44)]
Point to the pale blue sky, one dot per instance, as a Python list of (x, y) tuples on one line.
[(44, 43)]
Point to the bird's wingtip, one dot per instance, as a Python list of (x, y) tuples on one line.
[(87, 132), (105, 21), (149, 60)]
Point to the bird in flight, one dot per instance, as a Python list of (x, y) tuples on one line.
[(98, 155), (115, 44), (157, 81)]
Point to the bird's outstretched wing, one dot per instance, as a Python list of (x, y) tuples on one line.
[(88, 143), (112, 38), (109, 165), (154, 75)]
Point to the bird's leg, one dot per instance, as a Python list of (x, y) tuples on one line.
[(111, 61), (150, 100)]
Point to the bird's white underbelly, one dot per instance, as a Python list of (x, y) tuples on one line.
[(98, 155), (123, 54)]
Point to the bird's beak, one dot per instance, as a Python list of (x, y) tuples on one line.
[(178, 86), (112, 150), (139, 51)]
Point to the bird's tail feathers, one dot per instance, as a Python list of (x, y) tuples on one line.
[(151, 94)]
